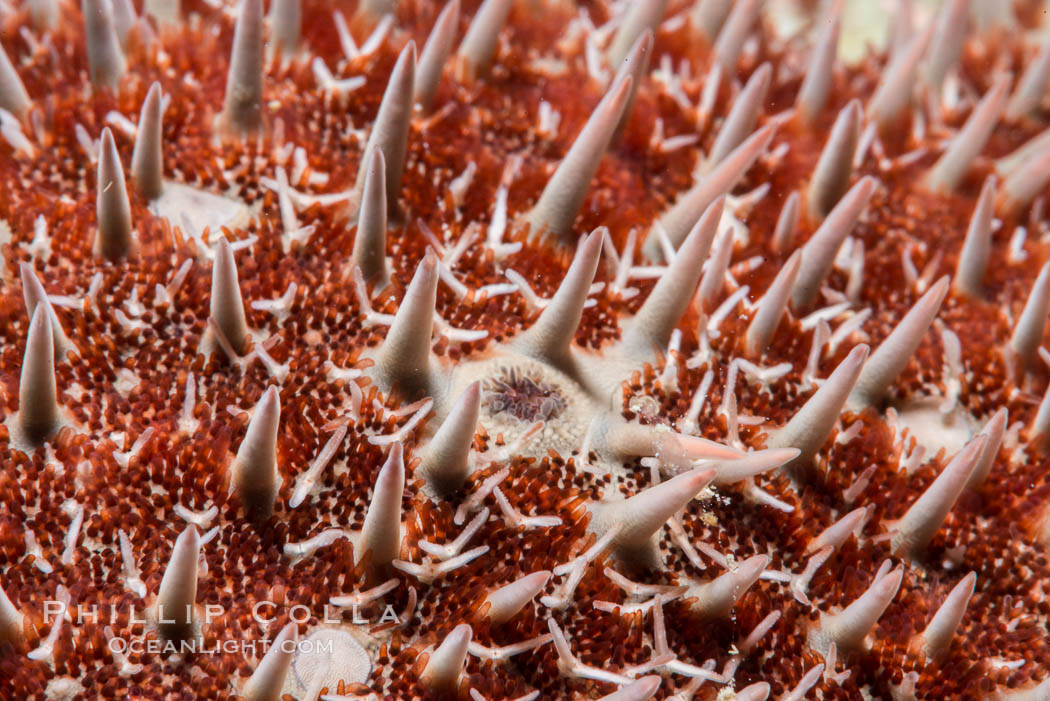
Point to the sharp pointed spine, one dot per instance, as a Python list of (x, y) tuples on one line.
[(478, 49), (13, 95), (734, 32), (743, 115), (38, 412), (949, 35), (446, 662), (227, 307), (710, 15), (123, 21), (11, 621), (106, 62), (434, 55), (641, 689), (550, 337), (839, 532), (973, 260), (685, 212), (937, 637), (505, 602), (255, 476), (562, 198), (717, 598), (895, 90), (813, 94), (652, 326), (404, 358), (751, 465), (112, 207), (920, 523), (994, 430), (1024, 182), (286, 22), (242, 106), (1028, 334), (714, 277), (381, 533), (369, 251), (147, 160), (33, 293), (646, 512), (848, 628), (770, 309), (1040, 428), (818, 255), (1032, 87), (639, 17), (636, 67), (391, 128), (787, 223), (831, 176), (759, 691), (811, 426), (948, 172), (893, 354), (268, 678), (446, 459), (178, 588)]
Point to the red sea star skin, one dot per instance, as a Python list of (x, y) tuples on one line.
[(146, 370)]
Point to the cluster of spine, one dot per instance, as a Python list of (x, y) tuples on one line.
[(536, 322)]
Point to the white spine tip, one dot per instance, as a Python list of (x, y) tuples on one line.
[(848, 628), (973, 260), (446, 662), (434, 55), (255, 477), (550, 337), (369, 252), (242, 107), (811, 426), (147, 160), (106, 62), (13, 95), (227, 306), (178, 588), (937, 637), (921, 522), (563, 197), (391, 129), (831, 176), (268, 678), (381, 533), (38, 412), (640, 689), (446, 459), (33, 293), (403, 361), (893, 354), (717, 598), (112, 208), (687, 209), (504, 603), (651, 327), (818, 255), (758, 691), (478, 49), (645, 513)]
